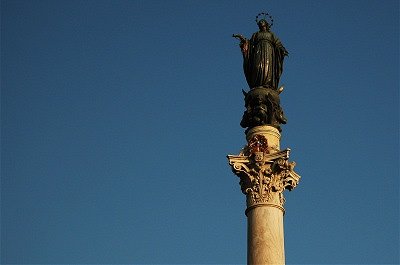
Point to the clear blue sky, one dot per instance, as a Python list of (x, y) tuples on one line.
[(116, 117)]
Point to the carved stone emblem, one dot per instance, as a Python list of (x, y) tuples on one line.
[(258, 156)]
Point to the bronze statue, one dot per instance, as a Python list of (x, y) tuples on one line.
[(263, 58)]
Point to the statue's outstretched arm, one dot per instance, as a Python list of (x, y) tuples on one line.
[(239, 37), (244, 43)]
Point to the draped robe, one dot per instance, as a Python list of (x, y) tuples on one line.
[(263, 60)]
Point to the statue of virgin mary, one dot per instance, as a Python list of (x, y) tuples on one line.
[(263, 57)]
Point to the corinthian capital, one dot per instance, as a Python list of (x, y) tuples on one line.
[(263, 175)]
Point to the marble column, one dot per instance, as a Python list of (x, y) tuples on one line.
[(265, 172)]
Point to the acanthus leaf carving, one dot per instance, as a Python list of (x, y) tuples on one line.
[(264, 176)]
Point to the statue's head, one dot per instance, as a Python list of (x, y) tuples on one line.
[(262, 21), (263, 25)]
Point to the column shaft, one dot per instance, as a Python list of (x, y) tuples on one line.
[(265, 238)]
